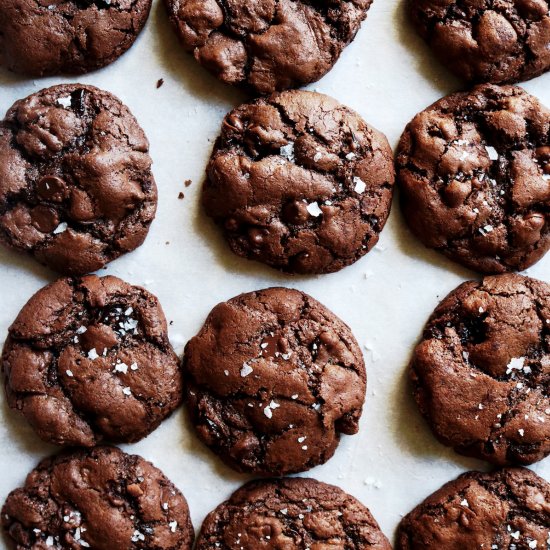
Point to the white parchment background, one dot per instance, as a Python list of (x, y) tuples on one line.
[(387, 74)]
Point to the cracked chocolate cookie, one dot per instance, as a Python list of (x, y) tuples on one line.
[(481, 374), (76, 188), (267, 45), (474, 174), (50, 37), (291, 513), (506, 509), (273, 378), (89, 360), (484, 40), (100, 498), (299, 182)]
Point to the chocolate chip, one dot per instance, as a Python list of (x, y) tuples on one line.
[(44, 218), (52, 188)]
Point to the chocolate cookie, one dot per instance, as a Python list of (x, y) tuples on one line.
[(273, 378), (291, 513), (89, 360), (299, 182), (49, 37), (267, 45), (76, 189), (487, 41), (474, 171), (507, 509), (100, 498), (481, 373)]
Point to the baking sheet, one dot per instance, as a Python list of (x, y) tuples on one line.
[(387, 74)]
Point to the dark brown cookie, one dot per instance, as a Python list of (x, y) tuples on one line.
[(504, 510), (49, 37), (484, 40), (273, 379), (481, 373), (100, 498), (474, 171), (299, 182), (89, 360), (76, 188), (267, 45), (291, 513)]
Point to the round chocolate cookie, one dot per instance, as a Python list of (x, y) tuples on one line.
[(484, 40), (507, 509), (481, 373), (49, 37), (76, 188), (100, 498), (267, 45), (299, 182), (474, 174), (89, 360), (291, 513), (273, 379)]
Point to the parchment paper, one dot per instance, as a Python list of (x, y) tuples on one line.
[(387, 74)]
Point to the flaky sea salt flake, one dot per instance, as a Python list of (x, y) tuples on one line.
[(246, 370), (60, 228), (516, 363), (359, 185), (287, 151), (137, 536), (492, 152), (314, 210), (65, 102), (121, 367)]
